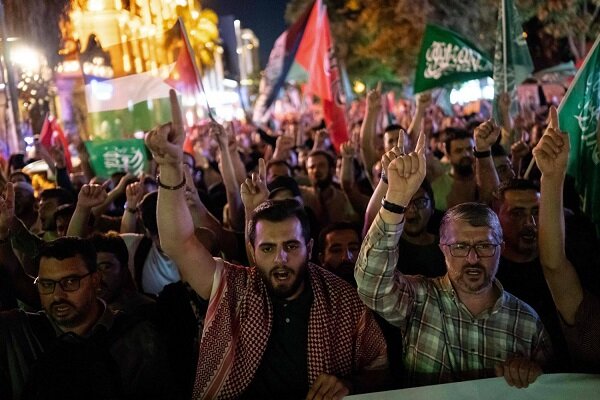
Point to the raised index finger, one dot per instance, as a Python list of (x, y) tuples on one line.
[(176, 118), (262, 170), (553, 118), (400, 143)]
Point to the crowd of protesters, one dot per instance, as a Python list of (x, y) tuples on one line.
[(264, 264)]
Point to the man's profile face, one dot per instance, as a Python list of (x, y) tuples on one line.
[(319, 172), (281, 256), (68, 309), (503, 168), (471, 274), (340, 252), (276, 170), (416, 219), (390, 139), (518, 216), (461, 156), (109, 268)]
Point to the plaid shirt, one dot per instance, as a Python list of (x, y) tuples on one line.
[(442, 341)]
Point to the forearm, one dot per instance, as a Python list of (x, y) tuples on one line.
[(63, 180), (375, 269), (560, 274), (174, 220), (367, 147), (79, 222), (238, 167), (129, 222), (415, 128), (374, 205), (487, 178), (26, 246)]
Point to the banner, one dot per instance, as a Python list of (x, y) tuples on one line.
[(136, 98), (578, 115), (512, 61), (53, 135), (546, 387), (123, 155), (446, 57)]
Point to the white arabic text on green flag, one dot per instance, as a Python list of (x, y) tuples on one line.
[(578, 115), (446, 57), (512, 60), (121, 155)]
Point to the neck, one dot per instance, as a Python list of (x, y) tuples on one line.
[(422, 239), (477, 303)]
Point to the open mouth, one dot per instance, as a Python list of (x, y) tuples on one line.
[(528, 236), (281, 275), (61, 309), (473, 272)]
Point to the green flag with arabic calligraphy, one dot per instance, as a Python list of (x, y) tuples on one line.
[(578, 115), (446, 57), (122, 155)]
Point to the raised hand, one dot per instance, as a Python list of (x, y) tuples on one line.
[(394, 153), (58, 155), (504, 102), (320, 136), (552, 152), (123, 183), (519, 372), (217, 132), (254, 190), (486, 135), (166, 141), (7, 210), (520, 149), (91, 195), (328, 387), (423, 100), (374, 99), (406, 173), (134, 193), (348, 150)]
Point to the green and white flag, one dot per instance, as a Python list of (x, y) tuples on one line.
[(123, 155), (578, 115), (512, 61), (136, 97), (446, 57)]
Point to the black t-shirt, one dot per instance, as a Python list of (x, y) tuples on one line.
[(526, 281), (425, 260), (283, 370)]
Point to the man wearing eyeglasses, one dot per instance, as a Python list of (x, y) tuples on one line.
[(460, 326), (77, 347)]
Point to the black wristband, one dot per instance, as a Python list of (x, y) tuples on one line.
[(481, 154), (392, 207), (176, 187)]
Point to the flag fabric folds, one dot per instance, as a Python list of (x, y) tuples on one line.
[(53, 135), (512, 60), (446, 57), (136, 98), (578, 114), (305, 53)]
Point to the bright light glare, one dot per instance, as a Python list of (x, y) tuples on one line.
[(27, 58), (472, 91)]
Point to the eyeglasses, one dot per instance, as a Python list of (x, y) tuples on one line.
[(68, 284), (481, 249), (420, 203)]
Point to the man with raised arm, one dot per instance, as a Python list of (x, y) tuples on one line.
[(283, 328), (579, 309), (460, 326)]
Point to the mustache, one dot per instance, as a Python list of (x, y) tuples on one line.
[(60, 303)]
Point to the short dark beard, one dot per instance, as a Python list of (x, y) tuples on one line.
[(325, 182), (284, 293), (463, 170)]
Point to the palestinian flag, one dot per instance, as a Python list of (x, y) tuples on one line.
[(136, 97), (304, 53)]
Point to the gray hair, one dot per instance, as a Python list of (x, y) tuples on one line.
[(475, 214)]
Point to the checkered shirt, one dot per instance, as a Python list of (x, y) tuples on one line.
[(442, 341)]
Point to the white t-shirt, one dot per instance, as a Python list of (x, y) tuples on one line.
[(159, 270)]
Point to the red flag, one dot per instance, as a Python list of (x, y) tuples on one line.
[(53, 135), (316, 55)]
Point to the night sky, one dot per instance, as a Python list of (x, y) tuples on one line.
[(264, 17)]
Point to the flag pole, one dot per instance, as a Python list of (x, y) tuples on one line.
[(562, 102), (504, 46), (196, 70)]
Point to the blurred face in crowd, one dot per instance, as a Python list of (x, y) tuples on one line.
[(417, 214), (503, 168), (68, 309), (472, 274), (276, 170), (62, 224), (46, 210), (24, 199), (319, 172), (109, 268), (461, 156), (340, 252), (390, 139), (281, 256), (518, 215)]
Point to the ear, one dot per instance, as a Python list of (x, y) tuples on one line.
[(309, 248)]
